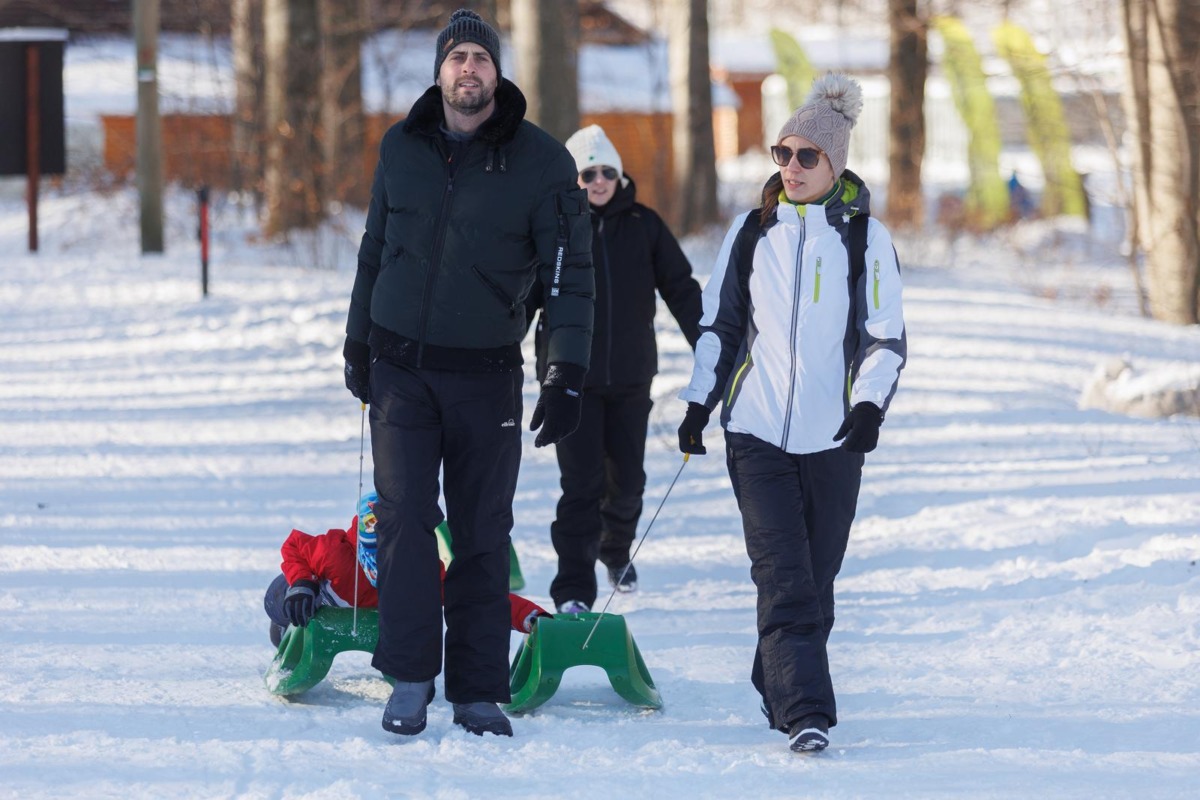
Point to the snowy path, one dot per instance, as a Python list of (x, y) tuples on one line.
[(1019, 612)]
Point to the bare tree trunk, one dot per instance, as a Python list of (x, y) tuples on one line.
[(695, 160), (546, 38), (246, 40), (292, 91), (1163, 43), (343, 125), (907, 69)]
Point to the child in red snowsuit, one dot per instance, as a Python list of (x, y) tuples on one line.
[(320, 571)]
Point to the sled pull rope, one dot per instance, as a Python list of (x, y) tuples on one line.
[(362, 443), (633, 555)]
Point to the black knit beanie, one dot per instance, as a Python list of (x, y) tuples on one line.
[(466, 26)]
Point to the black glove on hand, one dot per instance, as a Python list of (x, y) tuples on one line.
[(300, 602), (560, 404), (860, 429), (691, 432), (358, 368)]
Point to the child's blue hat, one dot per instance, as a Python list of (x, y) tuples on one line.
[(367, 543)]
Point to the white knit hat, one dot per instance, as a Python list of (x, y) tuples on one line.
[(827, 116), (590, 147)]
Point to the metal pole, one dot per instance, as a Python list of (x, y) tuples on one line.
[(633, 555), (202, 192), (362, 449), (33, 135)]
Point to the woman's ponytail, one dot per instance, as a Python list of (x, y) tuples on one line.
[(770, 195)]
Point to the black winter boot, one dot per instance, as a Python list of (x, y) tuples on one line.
[(481, 718), (623, 578), (810, 734), (405, 711)]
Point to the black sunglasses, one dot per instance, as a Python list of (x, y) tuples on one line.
[(589, 174), (808, 157)]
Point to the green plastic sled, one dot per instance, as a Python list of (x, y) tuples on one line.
[(556, 644), (516, 581), (306, 654)]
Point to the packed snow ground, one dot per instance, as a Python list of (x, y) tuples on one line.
[(1017, 615)]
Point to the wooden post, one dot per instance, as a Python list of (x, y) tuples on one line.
[(149, 125), (33, 133)]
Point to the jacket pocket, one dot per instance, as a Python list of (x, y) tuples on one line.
[(495, 289), (738, 378), (574, 226)]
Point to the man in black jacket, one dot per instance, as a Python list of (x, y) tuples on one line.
[(635, 255), (470, 203)]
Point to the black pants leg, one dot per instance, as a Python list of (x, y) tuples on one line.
[(406, 445), (273, 601), (575, 531), (602, 479), (796, 513), (626, 420), (482, 451), (463, 422)]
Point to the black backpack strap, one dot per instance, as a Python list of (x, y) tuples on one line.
[(858, 247), (751, 228), (752, 221)]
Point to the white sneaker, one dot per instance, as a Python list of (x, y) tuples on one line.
[(573, 607)]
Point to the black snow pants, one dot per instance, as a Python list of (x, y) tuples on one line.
[(469, 425), (602, 479), (796, 514)]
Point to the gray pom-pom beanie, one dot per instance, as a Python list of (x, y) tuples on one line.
[(827, 116), (466, 26)]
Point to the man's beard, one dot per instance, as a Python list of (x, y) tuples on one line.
[(467, 105)]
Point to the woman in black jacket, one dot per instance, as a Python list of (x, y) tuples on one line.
[(634, 255)]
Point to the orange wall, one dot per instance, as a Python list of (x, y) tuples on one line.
[(644, 142), (197, 148), (750, 115)]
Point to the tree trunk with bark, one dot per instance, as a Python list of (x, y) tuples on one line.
[(1163, 98), (694, 190), (292, 106), (546, 38), (246, 41), (344, 172), (908, 67)]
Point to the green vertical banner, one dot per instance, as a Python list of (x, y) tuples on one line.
[(792, 63), (987, 195), (1045, 122)]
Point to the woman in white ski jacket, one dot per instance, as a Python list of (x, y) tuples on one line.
[(803, 340)]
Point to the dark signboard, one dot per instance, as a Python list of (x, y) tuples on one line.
[(14, 114)]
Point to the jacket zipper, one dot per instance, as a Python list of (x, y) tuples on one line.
[(787, 418), (817, 282), (609, 306), (434, 264), (496, 290)]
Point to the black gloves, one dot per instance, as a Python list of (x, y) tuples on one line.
[(860, 429), (691, 432), (560, 404), (358, 368), (300, 602)]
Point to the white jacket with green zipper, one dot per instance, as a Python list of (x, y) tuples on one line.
[(786, 342)]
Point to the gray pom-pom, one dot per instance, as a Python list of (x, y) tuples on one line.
[(841, 92), (464, 12)]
